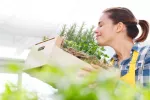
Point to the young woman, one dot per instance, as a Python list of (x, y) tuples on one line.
[(117, 28)]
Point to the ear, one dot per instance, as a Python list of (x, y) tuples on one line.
[(120, 27)]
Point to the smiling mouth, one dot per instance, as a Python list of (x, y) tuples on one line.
[(98, 36)]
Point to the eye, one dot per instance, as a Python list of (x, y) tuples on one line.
[(100, 25)]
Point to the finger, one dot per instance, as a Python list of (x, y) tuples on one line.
[(95, 66), (82, 73), (87, 69)]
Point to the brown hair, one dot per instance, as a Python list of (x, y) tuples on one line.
[(124, 15)]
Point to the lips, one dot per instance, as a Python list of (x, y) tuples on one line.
[(98, 36)]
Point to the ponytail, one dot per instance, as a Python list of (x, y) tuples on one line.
[(145, 30)]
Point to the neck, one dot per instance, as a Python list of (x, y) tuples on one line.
[(122, 48)]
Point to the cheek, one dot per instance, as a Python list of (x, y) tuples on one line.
[(105, 32), (108, 31), (102, 30)]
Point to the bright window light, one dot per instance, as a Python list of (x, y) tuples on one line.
[(9, 52)]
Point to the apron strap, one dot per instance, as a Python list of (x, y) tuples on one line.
[(130, 76)]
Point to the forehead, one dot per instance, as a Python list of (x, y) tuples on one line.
[(105, 18)]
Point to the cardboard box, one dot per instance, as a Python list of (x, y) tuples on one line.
[(49, 52)]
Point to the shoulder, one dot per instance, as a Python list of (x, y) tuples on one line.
[(147, 56), (145, 53), (144, 50)]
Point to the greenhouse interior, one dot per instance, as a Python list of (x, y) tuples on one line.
[(50, 50)]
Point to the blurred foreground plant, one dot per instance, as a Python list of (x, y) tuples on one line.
[(103, 85), (16, 91), (13, 93)]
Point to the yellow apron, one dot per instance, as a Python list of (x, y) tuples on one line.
[(129, 78)]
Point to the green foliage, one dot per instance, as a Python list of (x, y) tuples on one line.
[(45, 38), (95, 86), (16, 92), (14, 68), (103, 85), (82, 39), (13, 93)]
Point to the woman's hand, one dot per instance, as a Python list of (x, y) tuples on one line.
[(88, 69), (95, 68)]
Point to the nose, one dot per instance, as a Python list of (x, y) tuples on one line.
[(96, 31)]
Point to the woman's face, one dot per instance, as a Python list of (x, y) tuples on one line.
[(105, 32)]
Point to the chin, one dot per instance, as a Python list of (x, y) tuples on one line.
[(101, 44)]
